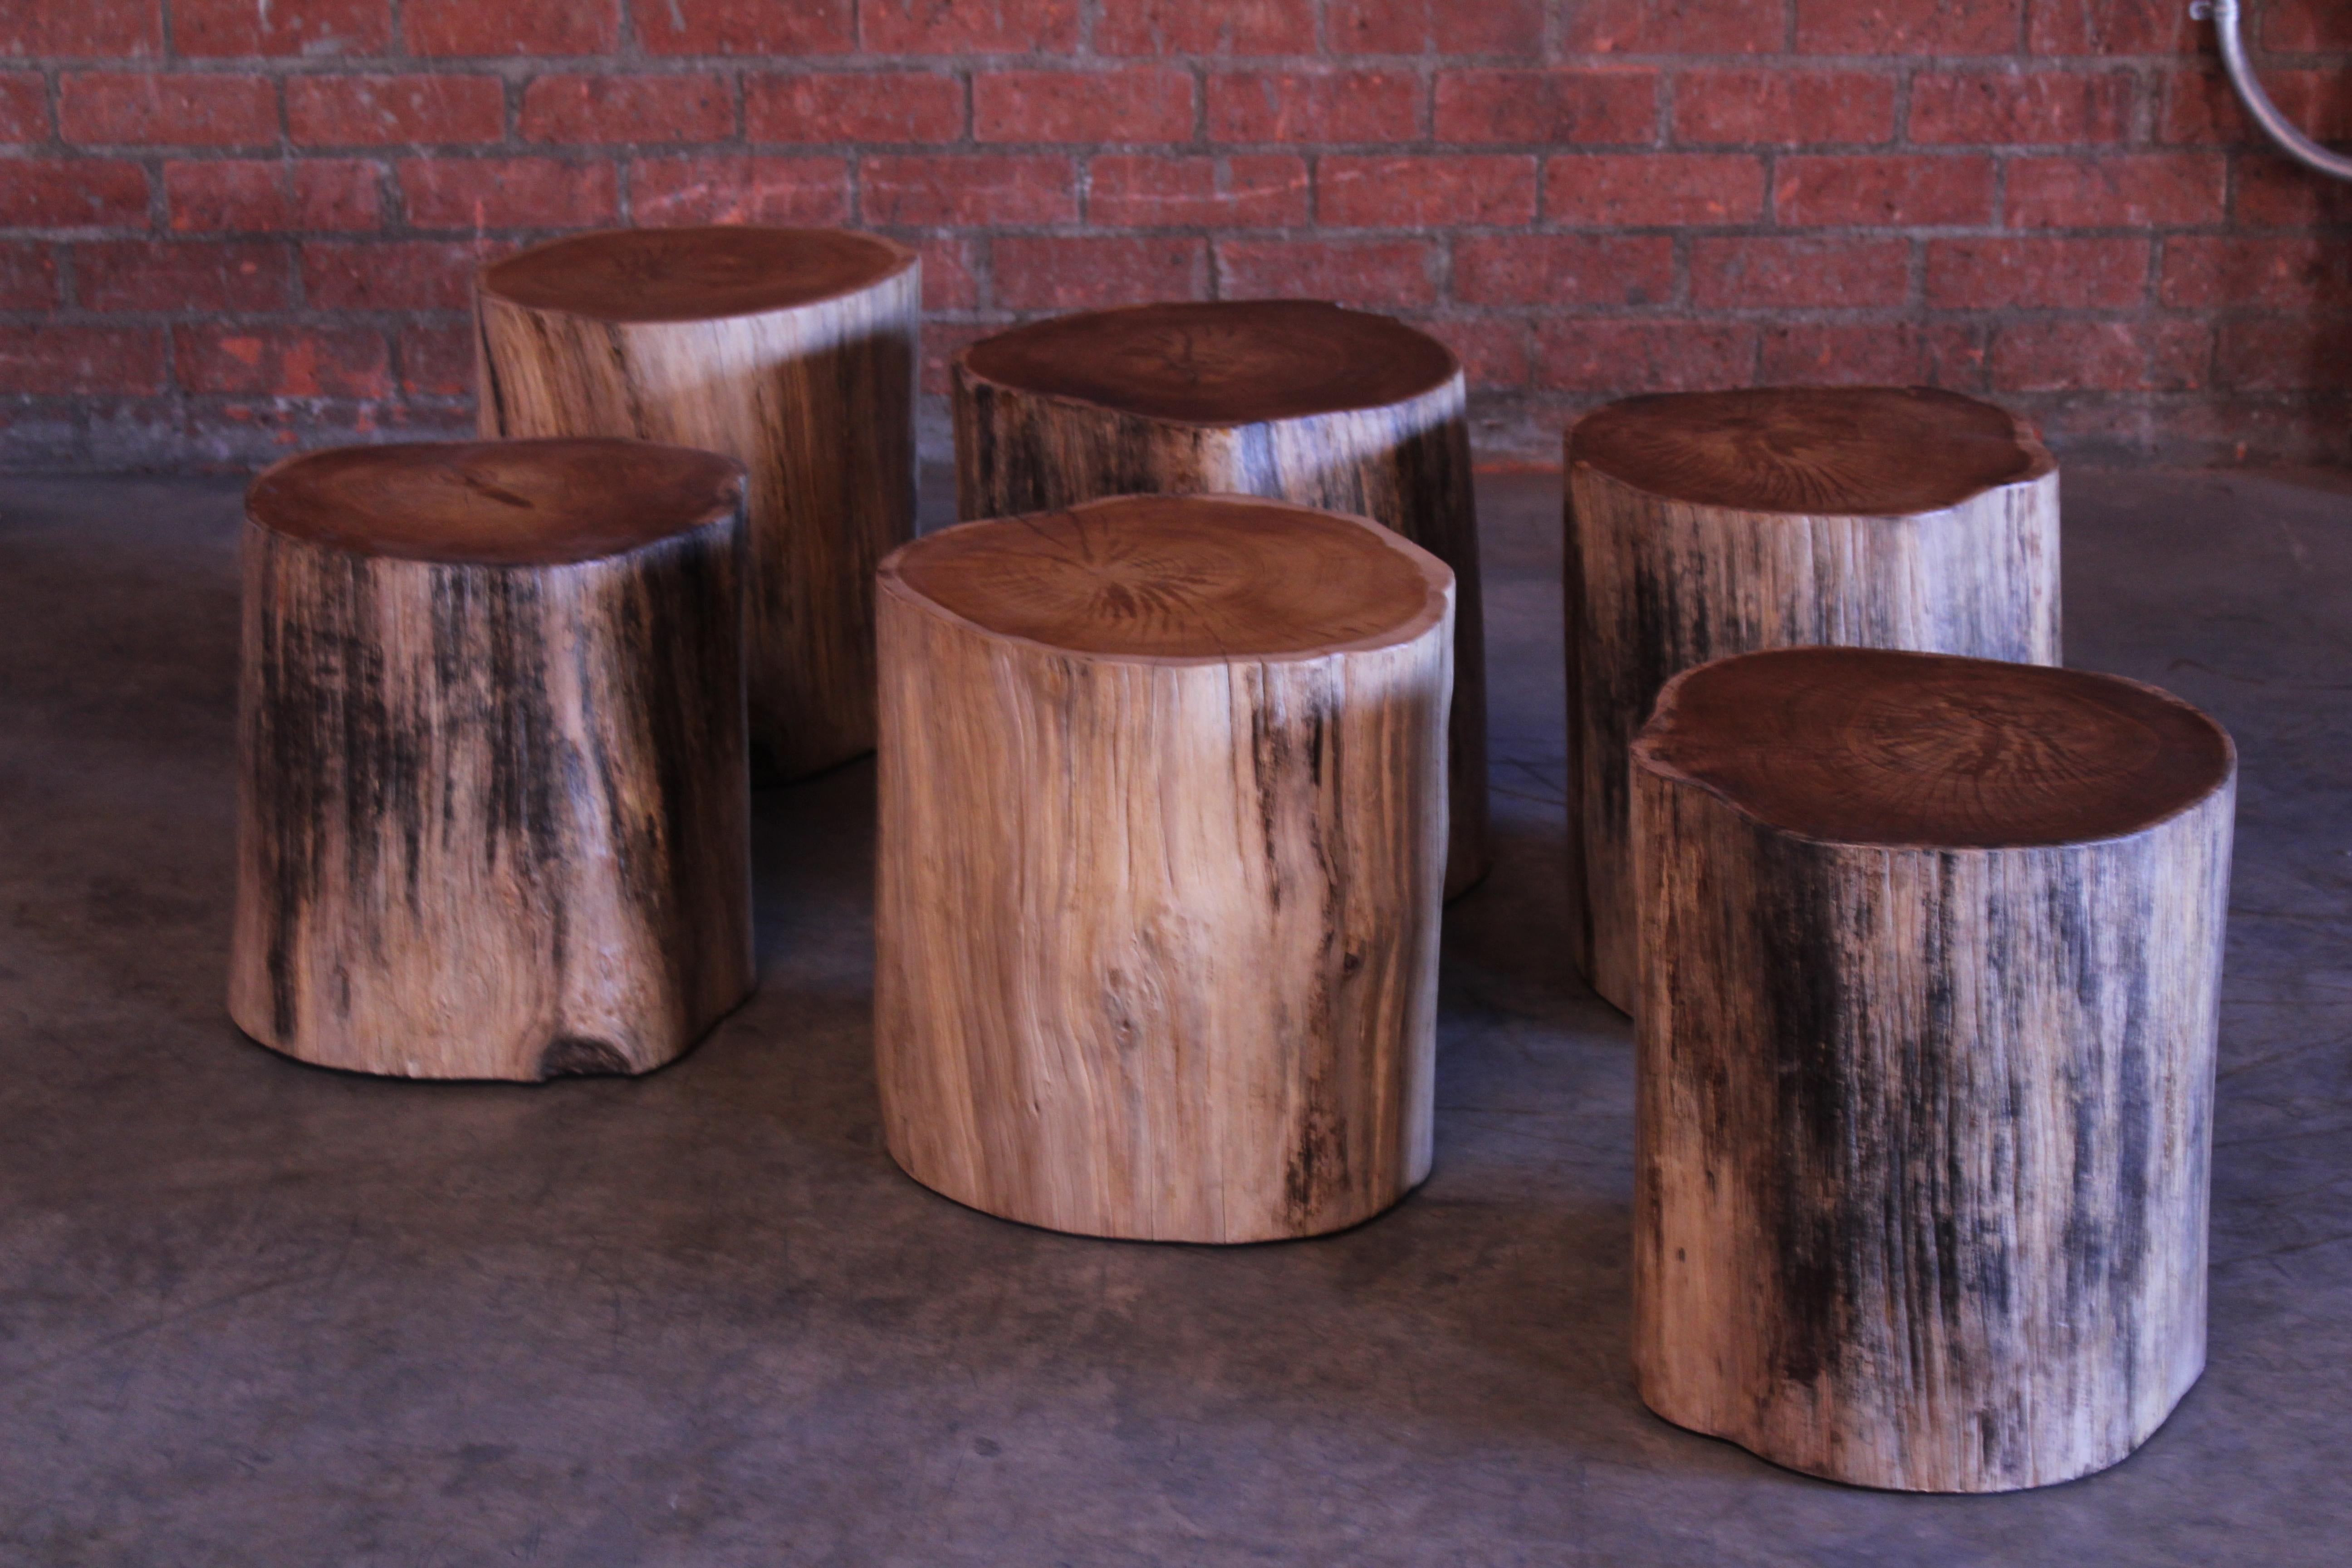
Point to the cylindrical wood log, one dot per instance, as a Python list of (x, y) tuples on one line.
[(1294, 399), (1161, 855), (493, 808), (793, 350), (1931, 957), (1705, 524)]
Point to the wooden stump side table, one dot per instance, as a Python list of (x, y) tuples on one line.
[(493, 807), (1931, 955), (793, 350), (1161, 855), (1705, 524), (1292, 399)]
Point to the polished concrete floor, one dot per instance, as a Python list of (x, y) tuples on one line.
[(253, 1314)]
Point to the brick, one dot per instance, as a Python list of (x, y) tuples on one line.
[(2041, 272), (1146, 104), (969, 26), (2287, 354), (1494, 352), (1783, 107), (1408, 26), (395, 110), (1563, 270), (1207, 28), (593, 110), (950, 271), (2008, 107), (1872, 353), (970, 191), (24, 108), (392, 274), (306, 28), (1579, 108), (855, 106), (1876, 190), (181, 110), (1414, 192), (72, 192), (1036, 273), (1675, 27), (2111, 28), (1759, 272), (82, 29), (745, 26), (511, 26), (266, 197), (1369, 272), (1576, 355), (2271, 193), (436, 361), (1654, 188), (2201, 106), (734, 188), (2135, 191), (283, 362), (181, 275), (2282, 274), (28, 276), (1264, 190), (1319, 106), (942, 341), (1907, 26), (66, 361), (508, 192), (2152, 356), (2306, 27)]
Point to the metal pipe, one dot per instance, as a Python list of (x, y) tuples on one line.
[(2224, 13)]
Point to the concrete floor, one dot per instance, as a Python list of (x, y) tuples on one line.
[(257, 1313)]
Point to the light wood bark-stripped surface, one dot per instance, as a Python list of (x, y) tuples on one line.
[(1706, 524), (1293, 399), (1931, 965), (1161, 852), (792, 350), (493, 810)]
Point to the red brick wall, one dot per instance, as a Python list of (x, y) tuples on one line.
[(228, 227)]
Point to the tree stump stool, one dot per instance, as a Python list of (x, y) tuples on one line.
[(792, 350), (493, 812), (1292, 399), (1161, 856), (1931, 961), (1705, 524)]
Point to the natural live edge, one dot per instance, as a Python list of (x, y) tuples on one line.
[(493, 810), (792, 350), (1297, 400), (1687, 540), (1923, 1124), (1159, 870)]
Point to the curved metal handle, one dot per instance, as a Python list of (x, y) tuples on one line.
[(2224, 15)]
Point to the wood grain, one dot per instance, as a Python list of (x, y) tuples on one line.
[(1161, 852), (1931, 963), (792, 350), (1291, 399), (1688, 540), (493, 809)]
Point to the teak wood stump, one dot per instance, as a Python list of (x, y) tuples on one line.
[(1161, 855), (493, 808), (1931, 958), (1705, 524), (793, 350), (1292, 399)]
